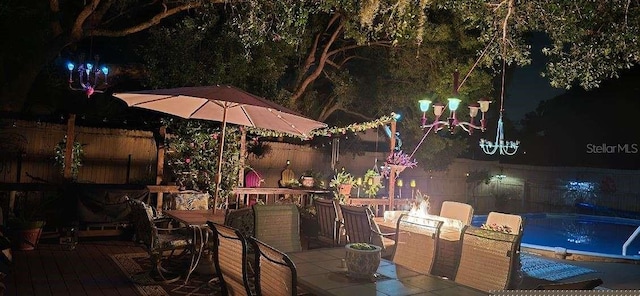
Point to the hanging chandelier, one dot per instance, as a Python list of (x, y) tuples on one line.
[(500, 145), (89, 77), (452, 121)]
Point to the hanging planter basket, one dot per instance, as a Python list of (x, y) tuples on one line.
[(376, 180)]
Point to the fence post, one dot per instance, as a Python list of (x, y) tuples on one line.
[(68, 152)]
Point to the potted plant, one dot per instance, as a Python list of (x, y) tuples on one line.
[(25, 223), (372, 183), (308, 178), (398, 161), (76, 156), (362, 259), (308, 223), (342, 182)]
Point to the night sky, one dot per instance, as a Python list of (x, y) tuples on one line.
[(526, 87)]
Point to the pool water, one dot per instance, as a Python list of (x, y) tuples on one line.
[(594, 234)]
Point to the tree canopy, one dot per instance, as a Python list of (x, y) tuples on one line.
[(364, 58)]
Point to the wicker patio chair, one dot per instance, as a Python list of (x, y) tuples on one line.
[(361, 228), (589, 284), (278, 225), (159, 241), (241, 219), (230, 259), (488, 259), (457, 210), (275, 273), (327, 217), (416, 243), (513, 221)]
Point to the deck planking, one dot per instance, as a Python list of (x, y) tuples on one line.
[(87, 270)]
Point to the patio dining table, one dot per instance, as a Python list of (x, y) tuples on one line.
[(195, 217), (322, 272)]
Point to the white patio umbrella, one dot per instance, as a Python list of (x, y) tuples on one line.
[(225, 104)]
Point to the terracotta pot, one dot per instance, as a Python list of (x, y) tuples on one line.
[(27, 235), (308, 182), (345, 189), (362, 263)]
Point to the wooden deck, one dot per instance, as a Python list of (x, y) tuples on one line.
[(87, 270)]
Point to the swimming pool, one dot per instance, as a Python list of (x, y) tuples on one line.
[(579, 234)]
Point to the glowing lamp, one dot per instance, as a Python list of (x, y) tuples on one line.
[(453, 104), (424, 105), (90, 79), (473, 110), (484, 105)]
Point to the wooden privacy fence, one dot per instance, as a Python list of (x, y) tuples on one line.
[(111, 156), (115, 156)]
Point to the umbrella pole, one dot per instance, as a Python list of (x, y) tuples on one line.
[(220, 150)]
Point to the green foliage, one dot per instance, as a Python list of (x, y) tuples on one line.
[(589, 40), (371, 187), (30, 211), (362, 246), (342, 177), (193, 155), (200, 51), (76, 156)]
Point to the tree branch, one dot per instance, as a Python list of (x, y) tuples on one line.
[(353, 46), (77, 28), (56, 27), (144, 25), (321, 62)]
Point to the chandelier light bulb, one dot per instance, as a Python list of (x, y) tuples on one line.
[(438, 108), (484, 105), (424, 105), (473, 110), (453, 104)]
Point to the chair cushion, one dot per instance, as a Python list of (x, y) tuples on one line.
[(191, 200)]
